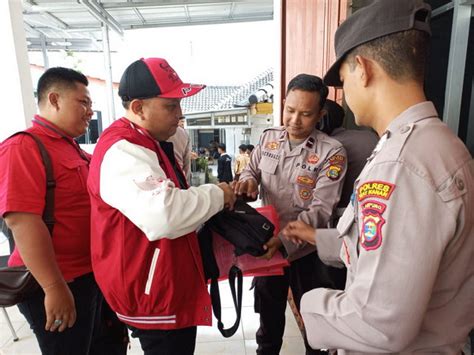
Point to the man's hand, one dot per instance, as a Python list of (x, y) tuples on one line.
[(248, 187), (59, 306), (35, 245), (229, 196), (271, 247), (299, 232)]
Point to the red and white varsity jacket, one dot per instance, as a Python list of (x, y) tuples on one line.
[(145, 253)]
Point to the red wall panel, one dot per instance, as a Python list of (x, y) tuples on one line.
[(308, 37)]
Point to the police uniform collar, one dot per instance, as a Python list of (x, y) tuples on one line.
[(412, 115), (283, 135), (309, 143)]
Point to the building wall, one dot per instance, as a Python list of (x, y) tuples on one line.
[(308, 38)]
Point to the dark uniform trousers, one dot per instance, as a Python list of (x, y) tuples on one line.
[(271, 294), (72, 341), (110, 334), (166, 342)]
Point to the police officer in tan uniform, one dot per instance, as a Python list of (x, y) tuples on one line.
[(300, 171), (408, 237)]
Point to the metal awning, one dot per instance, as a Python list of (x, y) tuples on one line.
[(76, 25)]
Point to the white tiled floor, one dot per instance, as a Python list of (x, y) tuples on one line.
[(209, 340)]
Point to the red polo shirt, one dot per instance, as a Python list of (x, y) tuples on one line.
[(23, 189)]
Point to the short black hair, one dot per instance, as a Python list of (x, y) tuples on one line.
[(60, 77), (335, 113), (126, 104), (334, 117), (250, 147), (402, 55), (222, 146), (310, 83), (243, 147)]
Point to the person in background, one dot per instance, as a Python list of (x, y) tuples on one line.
[(213, 151), (182, 148), (250, 148), (408, 235), (224, 165), (300, 171), (241, 161), (145, 252), (359, 144), (62, 313)]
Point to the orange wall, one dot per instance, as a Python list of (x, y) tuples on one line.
[(308, 38)]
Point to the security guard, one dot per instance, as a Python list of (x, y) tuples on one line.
[(408, 235), (300, 171)]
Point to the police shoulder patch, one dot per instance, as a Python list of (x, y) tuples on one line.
[(337, 159), (372, 222), (379, 189), (334, 172)]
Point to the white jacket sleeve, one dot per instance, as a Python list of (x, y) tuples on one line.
[(132, 181)]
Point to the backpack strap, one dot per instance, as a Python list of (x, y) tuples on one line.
[(211, 271), (235, 276), (48, 212)]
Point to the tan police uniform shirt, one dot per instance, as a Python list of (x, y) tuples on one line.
[(241, 163), (408, 244), (304, 183)]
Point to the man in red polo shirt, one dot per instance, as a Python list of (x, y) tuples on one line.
[(62, 314)]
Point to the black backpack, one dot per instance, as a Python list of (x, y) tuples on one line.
[(247, 230)]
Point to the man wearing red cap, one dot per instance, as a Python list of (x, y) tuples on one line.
[(145, 253), (408, 234)]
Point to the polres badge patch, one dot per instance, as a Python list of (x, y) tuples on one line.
[(380, 189), (372, 222)]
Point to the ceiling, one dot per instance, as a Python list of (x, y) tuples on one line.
[(76, 25)]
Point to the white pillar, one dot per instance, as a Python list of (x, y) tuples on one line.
[(277, 64), (16, 90), (463, 10), (107, 121)]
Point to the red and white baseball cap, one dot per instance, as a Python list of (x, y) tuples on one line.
[(154, 77)]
